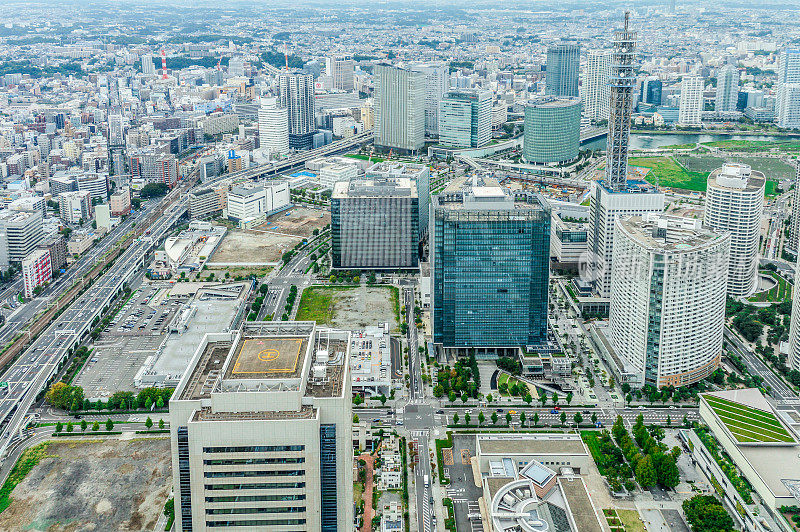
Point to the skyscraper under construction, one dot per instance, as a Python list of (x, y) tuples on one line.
[(622, 80)]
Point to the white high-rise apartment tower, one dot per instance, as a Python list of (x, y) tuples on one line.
[(787, 100), (794, 330), (437, 80), (399, 108), (273, 127), (667, 310), (296, 95), (727, 89), (340, 69), (261, 431), (690, 109), (734, 204), (596, 91), (794, 229)]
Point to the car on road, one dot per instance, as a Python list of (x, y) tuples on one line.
[(554, 411), (440, 411)]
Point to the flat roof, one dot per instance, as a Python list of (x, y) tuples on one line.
[(580, 504), (748, 417), (531, 444), (262, 357)]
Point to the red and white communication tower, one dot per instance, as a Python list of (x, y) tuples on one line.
[(163, 64)]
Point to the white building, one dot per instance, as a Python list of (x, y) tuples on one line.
[(399, 108), (341, 70), (734, 203), (273, 128), (75, 207), (691, 103), (605, 207), (794, 330), (794, 229), (437, 81), (465, 118), (261, 431), (296, 95), (667, 313), (36, 271), (727, 89), (251, 204), (103, 216), (596, 91), (22, 231), (330, 174), (787, 101)]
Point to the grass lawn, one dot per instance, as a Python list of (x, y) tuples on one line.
[(592, 441), (631, 520), (748, 424), (316, 304), (754, 145), (29, 459), (669, 173), (442, 444), (773, 169), (678, 147), (776, 294), (511, 381)]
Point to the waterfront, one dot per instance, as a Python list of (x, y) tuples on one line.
[(646, 141)]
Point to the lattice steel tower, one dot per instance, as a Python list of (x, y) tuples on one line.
[(622, 81)]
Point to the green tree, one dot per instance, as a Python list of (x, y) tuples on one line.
[(494, 418), (522, 419), (467, 417), (706, 514), (535, 418), (161, 424), (563, 418), (95, 426), (109, 425), (84, 424), (594, 418), (355, 419), (667, 473), (645, 473), (59, 427), (148, 423), (489, 398), (543, 399), (481, 417), (569, 398), (455, 418), (69, 426), (577, 418), (508, 418), (555, 398), (452, 396)]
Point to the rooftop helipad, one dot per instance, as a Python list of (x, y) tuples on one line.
[(268, 358)]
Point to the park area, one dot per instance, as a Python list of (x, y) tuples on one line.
[(740, 145), (748, 424), (350, 307), (781, 289), (75, 485), (690, 172)]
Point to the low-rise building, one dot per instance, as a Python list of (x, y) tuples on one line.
[(80, 242), (36, 271), (75, 207), (121, 202), (56, 245), (371, 360), (251, 204), (330, 174)]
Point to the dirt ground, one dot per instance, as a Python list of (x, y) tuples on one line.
[(301, 221), (347, 308), (252, 247), (93, 485)]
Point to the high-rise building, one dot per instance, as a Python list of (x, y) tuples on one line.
[(75, 207), (490, 253), (596, 92), (667, 312), (563, 66), (296, 95), (437, 82), (399, 108), (261, 431), (690, 110), (727, 89), (552, 130), (787, 100), (794, 329), (651, 90), (148, 66), (606, 206), (273, 128), (419, 173), (734, 203), (22, 231), (341, 69), (465, 118), (36, 271), (793, 243), (154, 167), (623, 78), (374, 224)]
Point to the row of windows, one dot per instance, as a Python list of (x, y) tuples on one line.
[(256, 498), (260, 486), (255, 449), (225, 474), (234, 511), (254, 461), (256, 522)]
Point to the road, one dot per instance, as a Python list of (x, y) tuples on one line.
[(29, 374)]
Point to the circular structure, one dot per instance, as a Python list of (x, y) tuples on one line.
[(268, 355), (552, 130)]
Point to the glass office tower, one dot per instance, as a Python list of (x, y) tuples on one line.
[(490, 267)]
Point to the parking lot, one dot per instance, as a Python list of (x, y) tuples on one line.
[(135, 333)]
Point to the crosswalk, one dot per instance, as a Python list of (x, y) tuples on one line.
[(474, 515), (426, 510)]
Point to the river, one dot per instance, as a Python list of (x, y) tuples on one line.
[(645, 141)]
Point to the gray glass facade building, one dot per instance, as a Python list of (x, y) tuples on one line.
[(552, 130), (490, 266), (563, 62), (374, 224)]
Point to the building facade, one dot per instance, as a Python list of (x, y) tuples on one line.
[(419, 173), (260, 430), (793, 243), (465, 118), (273, 128), (690, 108), (787, 101), (596, 90), (552, 130), (668, 292), (490, 251), (341, 69), (563, 65), (727, 89), (75, 207), (36, 271), (22, 231), (296, 95), (374, 224), (734, 204), (399, 108), (437, 81)]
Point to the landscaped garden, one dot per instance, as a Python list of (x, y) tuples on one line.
[(748, 424), (780, 292)]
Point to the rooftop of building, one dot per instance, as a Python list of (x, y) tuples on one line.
[(264, 357), (206, 414), (397, 168), (669, 234), (549, 102), (515, 444), (632, 186), (375, 188), (484, 192), (736, 176)]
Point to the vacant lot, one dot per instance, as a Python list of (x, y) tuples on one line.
[(349, 308), (669, 173), (773, 169), (251, 248), (93, 485), (298, 221)]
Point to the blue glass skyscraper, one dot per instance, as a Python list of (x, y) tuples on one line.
[(490, 253)]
